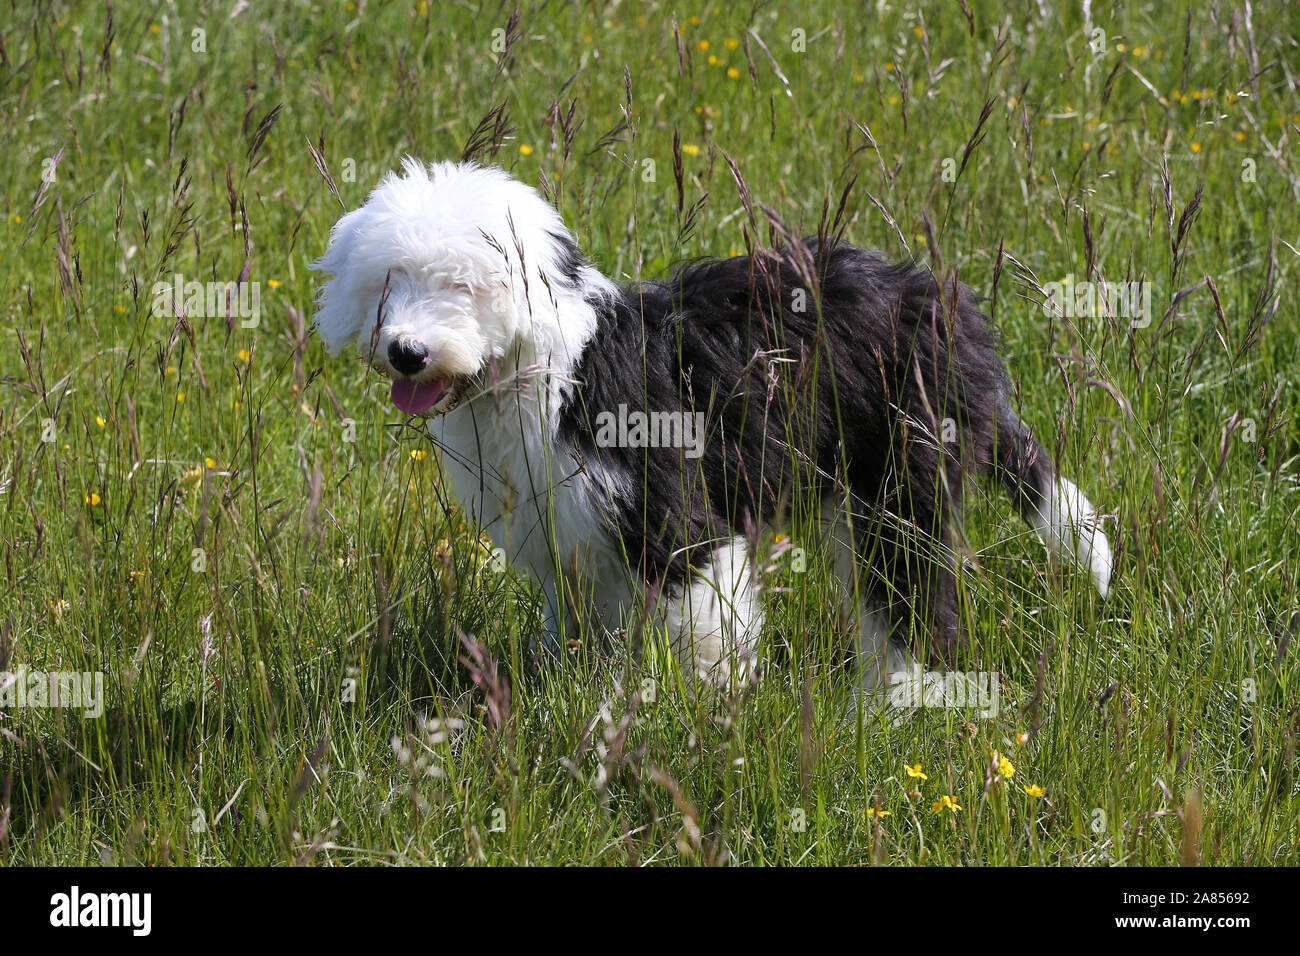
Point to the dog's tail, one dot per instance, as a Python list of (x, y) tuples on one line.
[(1063, 517)]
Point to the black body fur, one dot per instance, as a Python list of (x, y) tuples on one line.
[(847, 396)]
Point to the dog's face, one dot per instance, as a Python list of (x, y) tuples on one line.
[(443, 270)]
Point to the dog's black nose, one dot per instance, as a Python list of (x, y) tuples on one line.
[(407, 355)]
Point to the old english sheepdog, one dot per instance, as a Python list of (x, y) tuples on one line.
[(639, 447)]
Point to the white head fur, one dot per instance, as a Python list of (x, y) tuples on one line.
[(449, 268)]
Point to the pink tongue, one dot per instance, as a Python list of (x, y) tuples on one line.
[(415, 398)]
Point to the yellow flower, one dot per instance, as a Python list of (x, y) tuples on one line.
[(703, 46), (1241, 137), (525, 149), (171, 370), (210, 463), (1035, 791), (244, 355), (733, 73), (180, 396), (273, 283), (154, 28), (873, 812), (918, 31), (1139, 51), (915, 772), (58, 607), (1022, 738), (693, 21), (1196, 147), (93, 499), (1006, 769), (419, 454), (99, 420), (889, 68), (894, 101), (16, 219), (945, 803), (423, 7), (690, 149), (713, 60), (732, 43)]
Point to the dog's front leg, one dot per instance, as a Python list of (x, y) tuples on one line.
[(714, 624)]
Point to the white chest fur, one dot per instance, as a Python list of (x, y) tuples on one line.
[(546, 508)]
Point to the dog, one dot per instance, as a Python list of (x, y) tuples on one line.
[(631, 445)]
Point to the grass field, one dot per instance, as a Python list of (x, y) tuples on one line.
[(238, 534)]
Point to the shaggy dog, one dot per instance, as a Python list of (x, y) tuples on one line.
[(632, 445)]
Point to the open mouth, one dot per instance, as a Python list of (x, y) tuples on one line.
[(417, 398)]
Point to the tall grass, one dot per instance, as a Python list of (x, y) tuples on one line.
[(308, 656)]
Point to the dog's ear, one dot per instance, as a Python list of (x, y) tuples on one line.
[(338, 317)]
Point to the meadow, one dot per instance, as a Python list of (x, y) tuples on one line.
[(306, 655)]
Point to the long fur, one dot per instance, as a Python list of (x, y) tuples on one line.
[(822, 373)]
